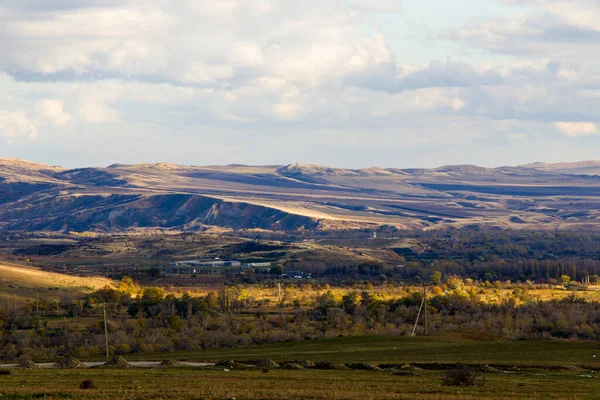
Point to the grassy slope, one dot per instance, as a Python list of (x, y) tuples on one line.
[(26, 281)]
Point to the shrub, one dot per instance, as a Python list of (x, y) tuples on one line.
[(363, 366), (330, 365), (4, 372), (461, 376), (87, 384), (292, 365)]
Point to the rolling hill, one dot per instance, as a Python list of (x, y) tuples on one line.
[(25, 283), (296, 197), (575, 168)]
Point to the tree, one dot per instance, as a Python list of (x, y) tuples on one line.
[(436, 277), (152, 296), (154, 273), (349, 302), (174, 322), (365, 299), (276, 270), (212, 301), (127, 286), (565, 279), (133, 309), (325, 301)]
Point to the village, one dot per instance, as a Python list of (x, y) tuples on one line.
[(191, 266)]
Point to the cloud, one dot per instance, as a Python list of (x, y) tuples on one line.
[(57, 5), (209, 43), (15, 125), (256, 72), (375, 5), (288, 110), (432, 99), (94, 103), (560, 30), (53, 111), (575, 129), (449, 74), (248, 54)]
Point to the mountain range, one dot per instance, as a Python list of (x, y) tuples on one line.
[(38, 197)]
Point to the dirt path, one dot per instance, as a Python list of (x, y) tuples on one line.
[(139, 364)]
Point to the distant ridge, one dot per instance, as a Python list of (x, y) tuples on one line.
[(465, 169), (318, 170), (17, 170), (321, 170), (589, 167), (122, 197)]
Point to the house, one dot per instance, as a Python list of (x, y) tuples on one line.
[(233, 264), (206, 263), (258, 264)]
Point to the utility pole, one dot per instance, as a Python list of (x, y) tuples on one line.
[(106, 331), (418, 315), (279, 291), (425, 305)]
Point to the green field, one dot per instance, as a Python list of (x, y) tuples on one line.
[(523, 370), (282, 384), (402, 349)]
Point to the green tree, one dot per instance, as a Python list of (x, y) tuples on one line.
[(153, 295), (325, 301), (349, 302), (436, 277), (276, 270), (212, 301), (174, 322)]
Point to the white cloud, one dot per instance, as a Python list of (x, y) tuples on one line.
[(558, 29), (516, 137), (53, 111), (258, 72), (202, 73), (375, 5), (248, 54), (215, 7), (576, 128), (95, 100), (15, 125), (194, 42), (431, 99), (288, 110)]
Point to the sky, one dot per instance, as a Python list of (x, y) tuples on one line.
[(347, 83)]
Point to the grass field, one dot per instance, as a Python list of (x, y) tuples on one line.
[(524, 370), (282, 384), (402, 349)]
